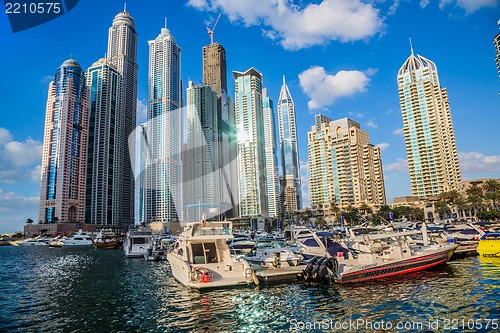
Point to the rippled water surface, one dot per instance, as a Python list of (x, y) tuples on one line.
[(88, 290)]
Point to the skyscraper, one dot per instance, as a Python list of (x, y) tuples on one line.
[(201, 153), (428, 128), (104, 153), (122, 53), (271, 156), (214, 75), (214, 67), (164, 130), (345, 169), (62, 186), (250, 143), (291, 191)]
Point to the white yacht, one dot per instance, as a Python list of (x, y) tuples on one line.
[(138, 242), (38, 241), (78, 239), (273, 254), (201, 258)]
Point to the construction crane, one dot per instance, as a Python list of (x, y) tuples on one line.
[(211, 31)]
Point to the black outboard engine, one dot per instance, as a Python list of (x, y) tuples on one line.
[(317, 266), (328, 270), (304, 275)]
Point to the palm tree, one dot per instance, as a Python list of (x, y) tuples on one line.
[(475, 203), (29, 221), (494, 197), (461, 206), (365, 209), (442, 209), (491, 185), (474, 190)]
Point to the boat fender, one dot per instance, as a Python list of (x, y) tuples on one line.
[(317, 266), (308, 269), (255, 278)]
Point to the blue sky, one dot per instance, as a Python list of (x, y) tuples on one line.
[(340, 58)]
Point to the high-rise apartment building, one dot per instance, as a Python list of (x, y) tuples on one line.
[(164, 130), (201, 178), (428, 128), (291, 189), (122, 53), (215, 75), (250, 143), (345, 169), (104, 190), (62, 186), (272, 185)]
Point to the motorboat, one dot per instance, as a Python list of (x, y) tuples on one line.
[(137, 242), (201, 257), (56, 242), (273, 254), (107, 239), (38, 241), (379, 256), (489, 245), (78, 239)]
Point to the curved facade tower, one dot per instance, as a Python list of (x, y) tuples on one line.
[(164, 130), (62, 185), (122, 53), (428, 128), (291, 191)]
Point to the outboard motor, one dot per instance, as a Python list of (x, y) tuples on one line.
[(304, 275), (328, 270), (317, 266)]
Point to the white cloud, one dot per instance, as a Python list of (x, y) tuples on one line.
[(46, 79), (473, 162), (400, 166), (323, 88), (371, 123), (299, 27), (23, 153), (470, 6), (424, 3), (399, 131), (142, 111), (393, 8), (5, 136), (17, 159), (356, 114), (15, 209), (383, 145)]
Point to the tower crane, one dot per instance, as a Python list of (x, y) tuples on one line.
[(211, 31)]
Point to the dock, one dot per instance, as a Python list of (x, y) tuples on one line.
[(266, 275)]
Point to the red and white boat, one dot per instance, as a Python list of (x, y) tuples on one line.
[(379, 256)]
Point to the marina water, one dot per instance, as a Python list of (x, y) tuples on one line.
[(88, 290)]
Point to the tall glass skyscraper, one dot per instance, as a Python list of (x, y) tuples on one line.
[(271, 156), (291, 190), (62, 186), (164, 130), (214, 75), (428, 128), (122, 53), (250, 142), (106, 135), (201, 153)]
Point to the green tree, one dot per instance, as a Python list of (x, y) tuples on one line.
[(29, 221), (442, 209)]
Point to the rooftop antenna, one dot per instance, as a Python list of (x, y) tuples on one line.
[(283, 79), (124, 7), (211, 31), (165, 23), (411, 47)]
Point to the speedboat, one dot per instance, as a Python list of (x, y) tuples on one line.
[(138, 242), (379, 256), (489, 245), (39, 241), (201, 258), (273, 254), (78, 239)]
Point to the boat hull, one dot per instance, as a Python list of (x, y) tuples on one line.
[(182, 272), (489, 248), (397, 267)]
